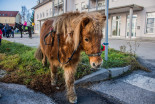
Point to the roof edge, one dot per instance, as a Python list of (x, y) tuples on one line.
[(40, 4)]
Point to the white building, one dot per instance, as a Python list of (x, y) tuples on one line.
[(143, 21)]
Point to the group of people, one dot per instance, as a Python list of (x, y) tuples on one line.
[(7, 31)]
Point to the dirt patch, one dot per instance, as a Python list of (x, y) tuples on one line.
[(40, 83)]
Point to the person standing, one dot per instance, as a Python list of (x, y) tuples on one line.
[(4, 31), (7, 30), (12, 32), (1, 36)]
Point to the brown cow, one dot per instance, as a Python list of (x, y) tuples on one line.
[(74, 32)]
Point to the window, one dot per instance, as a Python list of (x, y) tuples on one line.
[(101, 3), (150, 23), (76, 7), (43, 14), (50, 12), (37, 16), (40, 15), (83, 6), (46, 13), (116, 24)]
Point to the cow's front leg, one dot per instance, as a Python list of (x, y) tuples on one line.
[(53, 74), (69, 73)]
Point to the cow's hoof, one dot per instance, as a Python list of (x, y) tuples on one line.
[(73, 100)]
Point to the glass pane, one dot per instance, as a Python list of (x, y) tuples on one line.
[(149, 30), (150, 22), (116, 25), (134, 25), (114, 28), (151, 15)]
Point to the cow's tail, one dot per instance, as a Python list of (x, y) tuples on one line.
[(38, 54)]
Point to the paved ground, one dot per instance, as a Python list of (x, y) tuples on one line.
[(136, 88), (34, 42), (19, 94)]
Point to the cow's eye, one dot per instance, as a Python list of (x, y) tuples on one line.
[(86, 40)]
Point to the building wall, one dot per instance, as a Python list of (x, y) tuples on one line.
[(72, 5), (144, 3), (9, 20), (45, 9), (18, 18), (149, 6)]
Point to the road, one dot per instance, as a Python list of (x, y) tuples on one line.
[(137, 87)]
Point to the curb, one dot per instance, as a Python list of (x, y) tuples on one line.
[(103, 74)]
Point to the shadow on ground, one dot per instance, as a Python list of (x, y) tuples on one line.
[(85, 96)]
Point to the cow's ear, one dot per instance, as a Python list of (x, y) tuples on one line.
[(84, 22), (81, 25)]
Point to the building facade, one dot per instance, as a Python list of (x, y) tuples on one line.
[(141, 11), (10, 17)]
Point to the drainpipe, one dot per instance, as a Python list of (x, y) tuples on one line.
[(106, 31), (130, 23)]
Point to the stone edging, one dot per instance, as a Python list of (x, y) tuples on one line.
[(103, 74)]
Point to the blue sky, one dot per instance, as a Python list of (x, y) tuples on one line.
[(15, 5)]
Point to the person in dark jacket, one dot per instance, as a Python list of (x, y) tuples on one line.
[(7, 27), (0, 36)]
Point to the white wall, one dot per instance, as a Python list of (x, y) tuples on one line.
[(39, 10), (18, 18)]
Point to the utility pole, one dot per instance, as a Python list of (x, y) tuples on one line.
[(106, 31)]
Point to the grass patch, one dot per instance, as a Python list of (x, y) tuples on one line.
[(18, 60)]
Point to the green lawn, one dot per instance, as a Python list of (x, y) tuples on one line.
[(18, 60)]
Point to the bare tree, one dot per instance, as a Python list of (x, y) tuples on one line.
[(23, 13), (28, 15)]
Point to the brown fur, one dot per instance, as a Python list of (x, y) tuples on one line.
[(72, 28), (38, 54)]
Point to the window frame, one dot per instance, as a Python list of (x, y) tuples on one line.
[(112, 25), (146, 24)]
